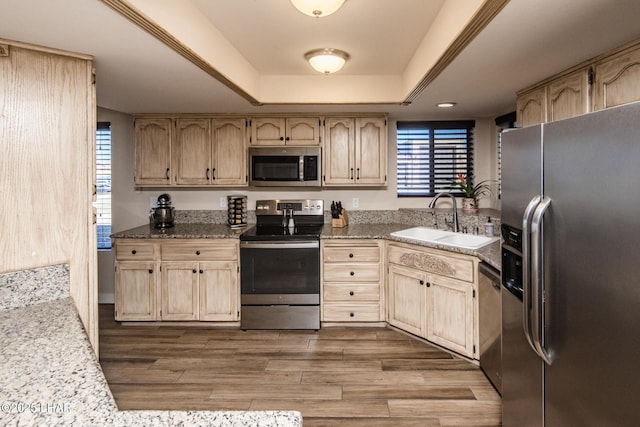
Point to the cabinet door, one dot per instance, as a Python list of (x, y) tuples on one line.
[(136, 283), (407, 301), (267, 131), (229, 152), (568, 96), (617, 79), (219, 291), (339, 143), (193, 151), (179, 290), (531, 107), (153, 151), (302, 131), (450, 314), (371, 151)]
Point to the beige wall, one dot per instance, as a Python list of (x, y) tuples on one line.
[(131, 206)]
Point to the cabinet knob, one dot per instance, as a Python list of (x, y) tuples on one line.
[(287, 139), (201, 271), (351, 293), (351, 314), (428, 284), (133, 252), (194, 271), (197, 252), (150, 271), (352, 273), (281, 138), (350, 255), (422, 282)]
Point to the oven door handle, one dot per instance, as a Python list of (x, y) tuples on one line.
[(280, 245)]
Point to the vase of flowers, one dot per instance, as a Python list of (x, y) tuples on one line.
[(472, 192)]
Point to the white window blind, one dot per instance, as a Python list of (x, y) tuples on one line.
[(103, 183), (431, 154)]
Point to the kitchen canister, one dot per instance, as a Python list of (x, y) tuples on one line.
[(237, 211)]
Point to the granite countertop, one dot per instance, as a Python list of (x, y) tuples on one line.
[(181, 231), (51, 376), (489, 253)]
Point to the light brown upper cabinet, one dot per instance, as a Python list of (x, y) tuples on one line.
[(153, 151), (568, 96), (617, 79), (605, 81), (355, 151), (274, 131), (203, 151)]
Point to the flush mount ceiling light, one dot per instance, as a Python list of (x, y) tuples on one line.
[(326, 60), (446, 105), (317, 8)]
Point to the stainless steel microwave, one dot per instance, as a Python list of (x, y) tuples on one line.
[(284, 166)]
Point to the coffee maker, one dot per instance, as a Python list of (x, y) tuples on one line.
[(162, 214)]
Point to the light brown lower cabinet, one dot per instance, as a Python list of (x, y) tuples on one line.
[(352, 281), (432, 294), (181, 280)]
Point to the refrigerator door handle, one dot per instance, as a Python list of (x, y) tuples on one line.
[(537, 284), (526, 268)]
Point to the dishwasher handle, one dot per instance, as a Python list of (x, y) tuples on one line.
[(491, 273)]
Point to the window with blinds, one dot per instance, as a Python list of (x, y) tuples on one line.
[(103, 184), (431, 154)]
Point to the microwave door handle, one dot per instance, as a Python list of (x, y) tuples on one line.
[(301, 169), (526, 268), (537, 282)]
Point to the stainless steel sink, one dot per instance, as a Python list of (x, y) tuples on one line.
[(442, 237)]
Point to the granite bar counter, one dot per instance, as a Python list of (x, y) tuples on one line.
[(50, 374)]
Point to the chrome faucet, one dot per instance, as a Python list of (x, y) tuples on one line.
[(454, 207)]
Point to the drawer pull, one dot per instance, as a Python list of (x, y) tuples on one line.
[(352, 273), (351, 293), (197, 252), (350, 255), (150, 271), (133, 252), (351, 314)]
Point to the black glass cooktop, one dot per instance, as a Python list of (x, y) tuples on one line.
[(278, 232)]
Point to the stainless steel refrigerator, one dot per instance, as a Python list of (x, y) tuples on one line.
[(571, 271)]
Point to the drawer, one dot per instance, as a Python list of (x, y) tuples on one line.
[(351, 313), (362, 272), (431, 261), (200, 251), (347, 292), (128, 251), (351, 254)]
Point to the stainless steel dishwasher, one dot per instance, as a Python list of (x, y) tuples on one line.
[(490, 321)]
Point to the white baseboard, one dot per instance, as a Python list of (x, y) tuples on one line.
[(106, 298)]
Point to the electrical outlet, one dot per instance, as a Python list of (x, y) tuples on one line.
[(355, 202), (223, 202)]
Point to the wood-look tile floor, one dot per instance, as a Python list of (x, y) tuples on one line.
[(336, 376)]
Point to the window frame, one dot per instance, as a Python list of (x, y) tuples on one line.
[(105, 164), (440, 174)]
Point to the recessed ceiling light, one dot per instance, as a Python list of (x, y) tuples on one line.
[(446, 104)]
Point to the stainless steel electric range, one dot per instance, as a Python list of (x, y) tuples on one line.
[(280, 266)]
